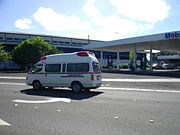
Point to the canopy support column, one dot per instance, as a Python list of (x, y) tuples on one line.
[(117, 63), (151, 56), (101, 59), (135, 58)]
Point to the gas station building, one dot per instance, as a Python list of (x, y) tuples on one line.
[(169, 41)]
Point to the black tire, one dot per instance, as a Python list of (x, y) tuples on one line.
[(37, 85), (50, 88), (87, 89), (76, 87)]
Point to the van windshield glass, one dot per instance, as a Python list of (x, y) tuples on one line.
[(96, 67), (36, 68)]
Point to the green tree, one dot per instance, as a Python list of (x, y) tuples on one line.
[(131, 56), (4, 56), (31, 50)]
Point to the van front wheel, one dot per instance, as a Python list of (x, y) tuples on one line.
[(37, 85), (76, 87)]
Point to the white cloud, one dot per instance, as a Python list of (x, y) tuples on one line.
[(23, 23), (113, 27), (131, 16), (54, 21), (107, 27), (90, 9), (149, 11)]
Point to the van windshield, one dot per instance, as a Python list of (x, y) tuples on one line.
[(96, 67), (36, 68)]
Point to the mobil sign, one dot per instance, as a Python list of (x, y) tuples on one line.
[(172, 35)]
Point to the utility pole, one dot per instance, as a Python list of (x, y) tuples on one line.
[(88, 40)]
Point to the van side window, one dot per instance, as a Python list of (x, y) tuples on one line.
[(53, 68), (77, 67), (64, 68), (36, 68)]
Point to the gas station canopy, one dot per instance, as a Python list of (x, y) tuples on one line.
[(169, 41)]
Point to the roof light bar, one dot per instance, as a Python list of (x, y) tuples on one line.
[(43, 58), (83, 53)]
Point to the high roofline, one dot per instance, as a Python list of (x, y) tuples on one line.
[(45, 35), (151, 34), (158, 36), (141, 43)]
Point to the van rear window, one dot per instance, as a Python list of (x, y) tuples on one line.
[(96, 67), (77, 67)]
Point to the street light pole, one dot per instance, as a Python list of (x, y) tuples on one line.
[(88, 40)]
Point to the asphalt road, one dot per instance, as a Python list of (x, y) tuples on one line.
[(127, 104)]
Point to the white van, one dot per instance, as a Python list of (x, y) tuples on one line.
[(78, 71)]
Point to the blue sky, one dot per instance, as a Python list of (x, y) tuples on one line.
[(100, 19)]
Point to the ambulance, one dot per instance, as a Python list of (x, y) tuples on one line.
[(78, 71)]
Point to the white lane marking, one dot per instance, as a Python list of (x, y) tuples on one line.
[(115, 80), (142, 80), (48, 100), (9, 83), (125, 89), (11, 77), (3, 123), (136, 89)]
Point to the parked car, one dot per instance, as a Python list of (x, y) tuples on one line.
[(169, 66)]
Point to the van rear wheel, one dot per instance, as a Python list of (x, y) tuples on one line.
[(87, 89), (76, 87), (50, 88), (37, 85)]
